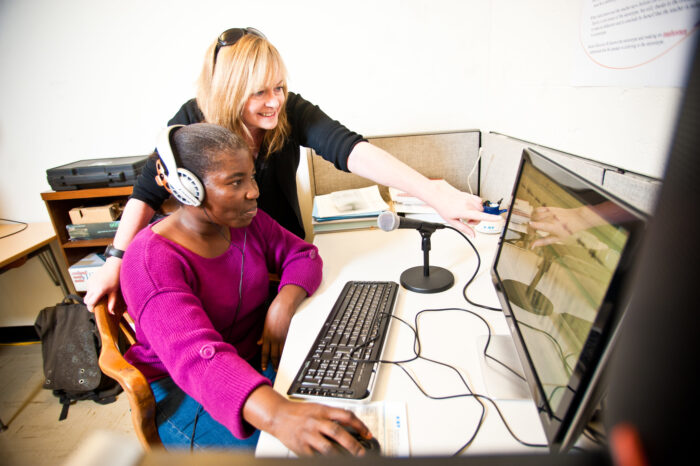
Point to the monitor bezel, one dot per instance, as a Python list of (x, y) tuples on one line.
[(563, 427)]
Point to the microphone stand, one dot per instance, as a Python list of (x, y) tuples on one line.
[(426, 278)]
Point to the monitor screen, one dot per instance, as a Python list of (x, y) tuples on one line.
[(563, 259)]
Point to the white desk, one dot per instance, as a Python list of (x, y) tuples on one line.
[(436, 427)]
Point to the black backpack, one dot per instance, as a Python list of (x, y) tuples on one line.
[(70, 347)]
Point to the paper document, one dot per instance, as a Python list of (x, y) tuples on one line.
[(412, 207), (361, 202), (387, 422), (403, 198)]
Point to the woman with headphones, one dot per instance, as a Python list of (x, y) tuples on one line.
[(200, 325), (243, 87)]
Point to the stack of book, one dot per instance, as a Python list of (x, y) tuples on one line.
[(350, 209), (412, 207), (94, 222)]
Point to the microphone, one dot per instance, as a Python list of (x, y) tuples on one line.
[(426, 278), (389, 221)]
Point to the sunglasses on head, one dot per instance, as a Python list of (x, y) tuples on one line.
[(233, 35)]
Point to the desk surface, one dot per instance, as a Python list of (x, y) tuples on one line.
[(35, 236), (435, 427)]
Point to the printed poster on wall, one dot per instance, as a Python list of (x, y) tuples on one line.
[(636, 42)]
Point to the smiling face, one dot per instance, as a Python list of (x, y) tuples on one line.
[(231, 189), (262, 109)]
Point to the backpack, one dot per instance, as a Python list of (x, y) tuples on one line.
[(70, 348)]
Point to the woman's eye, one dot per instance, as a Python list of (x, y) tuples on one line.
[(279, 89)]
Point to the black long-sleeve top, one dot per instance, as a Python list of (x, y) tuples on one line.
[(275, 174)]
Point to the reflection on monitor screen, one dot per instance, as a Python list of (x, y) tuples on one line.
[(563, 258)]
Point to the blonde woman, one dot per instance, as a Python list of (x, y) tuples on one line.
[(243, 87)]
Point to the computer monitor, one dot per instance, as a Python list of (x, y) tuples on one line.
[(564, 257)]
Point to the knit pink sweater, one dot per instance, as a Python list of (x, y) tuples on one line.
[(191, 322)]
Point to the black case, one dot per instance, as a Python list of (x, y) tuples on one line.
[(96, 173)]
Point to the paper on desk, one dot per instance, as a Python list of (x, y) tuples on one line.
[(387, 422), (361, 202), (401, 197)]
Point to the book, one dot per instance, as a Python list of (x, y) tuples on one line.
[(349, 209), (79, 231), (344, 224), (412, 207), (349, 203), (82, 270)]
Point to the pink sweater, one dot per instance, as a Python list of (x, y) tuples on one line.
[(183, 306)]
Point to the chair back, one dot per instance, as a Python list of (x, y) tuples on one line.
[(134, 383)]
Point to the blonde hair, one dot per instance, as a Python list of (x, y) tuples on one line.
[(241, 69)]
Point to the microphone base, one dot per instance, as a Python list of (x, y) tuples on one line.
[(438, 280)]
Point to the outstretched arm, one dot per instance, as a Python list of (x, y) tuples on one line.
[(453, 205)]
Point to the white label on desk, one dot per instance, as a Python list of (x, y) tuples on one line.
[(387, 422)]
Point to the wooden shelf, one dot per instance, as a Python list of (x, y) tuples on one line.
[(59, 203), (87, 243), (87, 193)]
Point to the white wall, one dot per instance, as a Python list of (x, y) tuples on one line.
[(529, 96), (85, 78)]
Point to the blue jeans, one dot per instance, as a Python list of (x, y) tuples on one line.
[(179, 416)]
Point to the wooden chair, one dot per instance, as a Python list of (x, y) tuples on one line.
[(134, 383)]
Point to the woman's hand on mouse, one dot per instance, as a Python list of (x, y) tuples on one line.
[(310, 428), (305, 428)]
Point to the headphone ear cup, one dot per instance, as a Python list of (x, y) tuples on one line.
[(185, 186), (191, 183)]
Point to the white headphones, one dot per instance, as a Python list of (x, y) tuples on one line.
[(185, 186)]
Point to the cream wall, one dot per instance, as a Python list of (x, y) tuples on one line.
[(85, 78), (91, 78), (530, 66)]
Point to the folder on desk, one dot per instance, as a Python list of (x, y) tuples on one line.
[(348, 209)]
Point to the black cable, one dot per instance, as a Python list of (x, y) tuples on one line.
[(562, 357), (24, 227), (567, 367), (238, 305), (477, 396), (476, 271), (417, 349), (417, 352)]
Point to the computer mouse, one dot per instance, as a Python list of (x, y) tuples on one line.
[(371, 445)]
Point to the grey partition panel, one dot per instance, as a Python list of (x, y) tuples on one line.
[(639, 191), (447, 155), (501, 157)]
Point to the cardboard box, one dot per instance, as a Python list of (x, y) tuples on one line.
[(95, 214), (82, 270)]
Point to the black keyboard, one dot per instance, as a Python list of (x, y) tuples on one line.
[(342, 362)]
